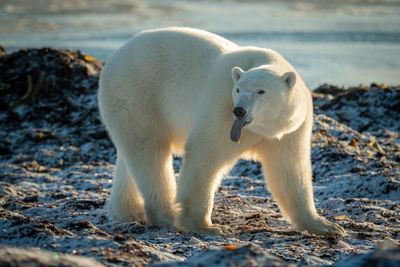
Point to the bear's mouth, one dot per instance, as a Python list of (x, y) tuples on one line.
[(237, 128)]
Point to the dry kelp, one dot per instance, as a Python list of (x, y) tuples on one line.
[(56, 167)]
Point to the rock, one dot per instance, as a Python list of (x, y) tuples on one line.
[(387, 258), (21, 257), (3, 51), (316, 261), (40, 79), (362, 108), (248, 255)]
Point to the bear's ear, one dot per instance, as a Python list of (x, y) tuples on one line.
[(236, 73), (289, 78)]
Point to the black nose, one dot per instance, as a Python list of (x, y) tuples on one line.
[(239, 112)]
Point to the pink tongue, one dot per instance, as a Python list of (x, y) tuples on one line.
[(236, 130)]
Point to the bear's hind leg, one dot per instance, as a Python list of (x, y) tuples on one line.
[(151, 166), (126, 202), (200, 175)]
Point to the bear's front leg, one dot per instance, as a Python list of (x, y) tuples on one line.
[(289, 177), (208, 153)]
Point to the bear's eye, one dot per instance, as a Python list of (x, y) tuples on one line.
[(260, 92), (237, 90)]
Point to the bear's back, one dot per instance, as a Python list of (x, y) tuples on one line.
[(162, 71), (188, 38), (182, 53)]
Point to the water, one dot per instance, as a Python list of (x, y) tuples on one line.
[(339, 42)]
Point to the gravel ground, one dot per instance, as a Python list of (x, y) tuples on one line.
[(56, 166)]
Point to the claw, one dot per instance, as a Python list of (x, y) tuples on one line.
[(322, 226), (216, 229)]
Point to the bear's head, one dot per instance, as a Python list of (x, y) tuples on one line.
[(264, 102)]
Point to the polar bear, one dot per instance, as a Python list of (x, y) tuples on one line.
[(182, 90)]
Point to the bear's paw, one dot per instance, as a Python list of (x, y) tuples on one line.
[(321, 226)]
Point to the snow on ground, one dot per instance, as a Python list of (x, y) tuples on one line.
[(56, 167)]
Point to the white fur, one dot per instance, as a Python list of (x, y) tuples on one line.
[(171, 90)]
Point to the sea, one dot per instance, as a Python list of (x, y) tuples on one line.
[(345, 43)]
